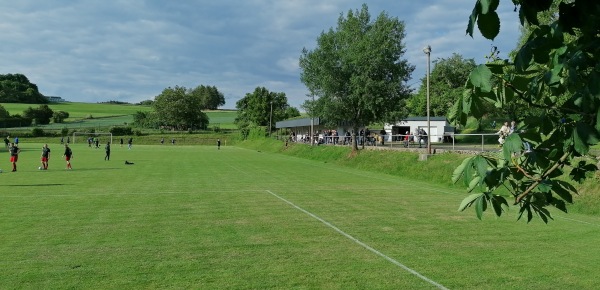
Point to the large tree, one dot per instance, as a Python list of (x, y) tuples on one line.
[(556, 70), (263, 108), (357, 72), (446, 84), (210, 97), (178, 109), (16, 88)]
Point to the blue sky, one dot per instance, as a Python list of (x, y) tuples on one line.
[(130, 50)]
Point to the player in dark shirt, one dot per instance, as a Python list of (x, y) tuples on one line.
[(107, 148), (14, 155), (45, 156), (68, 155)]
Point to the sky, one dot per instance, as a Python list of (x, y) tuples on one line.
[(131, 50)]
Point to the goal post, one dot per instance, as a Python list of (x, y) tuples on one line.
[(82, 137)]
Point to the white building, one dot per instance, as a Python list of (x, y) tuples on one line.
[(439, 128)]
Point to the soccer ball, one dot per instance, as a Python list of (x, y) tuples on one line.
[(40, 168)]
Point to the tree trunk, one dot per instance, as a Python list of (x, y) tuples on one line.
[(354, 143)]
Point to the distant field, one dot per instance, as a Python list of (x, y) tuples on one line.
[(106, 115), (194, 217)]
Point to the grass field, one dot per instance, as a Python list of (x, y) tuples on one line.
[(107, 115), (194, 217)]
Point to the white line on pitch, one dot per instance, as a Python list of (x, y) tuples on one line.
[(440, 286)]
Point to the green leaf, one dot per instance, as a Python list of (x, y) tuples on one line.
[(481, 165), (488, 5), (489, 25), (480, 206), (474, 183), (473, 18), (468, 201), (545, 186), (563, 190), (583, 136), (481, 77), (458, 172), (497, 202)]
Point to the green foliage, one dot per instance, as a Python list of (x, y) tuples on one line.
[(356, 71), (16, 88), (59, 116), (178, 109), (210, 98), (446, 84), (37, 132), (555, 72), (40, 115), (121, 131), (263, 108)]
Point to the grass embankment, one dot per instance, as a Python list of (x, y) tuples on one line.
[(438, 169)]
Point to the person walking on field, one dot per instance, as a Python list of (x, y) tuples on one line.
[(107, 148), (14, 155), (218, 144), (68, 155), (45, 156), (129, 143)]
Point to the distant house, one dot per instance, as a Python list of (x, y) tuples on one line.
[(439, 128), (53, 99)]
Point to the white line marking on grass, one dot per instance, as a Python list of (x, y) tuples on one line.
[(440, 286), (578, 221), (392, 178)]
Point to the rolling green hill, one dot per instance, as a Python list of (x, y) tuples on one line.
[(90, 115)]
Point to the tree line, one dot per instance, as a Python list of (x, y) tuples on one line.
[(42, 115)]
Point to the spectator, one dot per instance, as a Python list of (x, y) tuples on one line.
[(503, 132)]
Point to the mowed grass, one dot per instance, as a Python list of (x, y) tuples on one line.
[(201, 218)]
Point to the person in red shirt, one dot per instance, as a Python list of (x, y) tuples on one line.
[(68, 155)]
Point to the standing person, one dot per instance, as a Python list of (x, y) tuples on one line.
[(62, 140), (218, 144), (68, 140), (6, 141), (503, 132), (121, 142), (14, 155), (68, 155), (162, 141), (97, 142), (129, 143), (173, 141), (17, 141), (45, 156), (107, 149)]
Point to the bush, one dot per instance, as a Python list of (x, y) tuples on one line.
[(121, 131), (37, 132)]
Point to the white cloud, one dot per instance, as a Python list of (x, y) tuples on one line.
[(94, 50)]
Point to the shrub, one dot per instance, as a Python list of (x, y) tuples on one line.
[(37, 132)]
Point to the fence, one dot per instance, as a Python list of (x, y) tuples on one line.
[(478, 141)]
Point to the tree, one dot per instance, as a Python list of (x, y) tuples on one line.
[(263, 108), (59, 116), (556, 71), (446, 84), (41, 115), (356, 71), (178, 109), (16, 88), (4, 113), (210, 97)]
